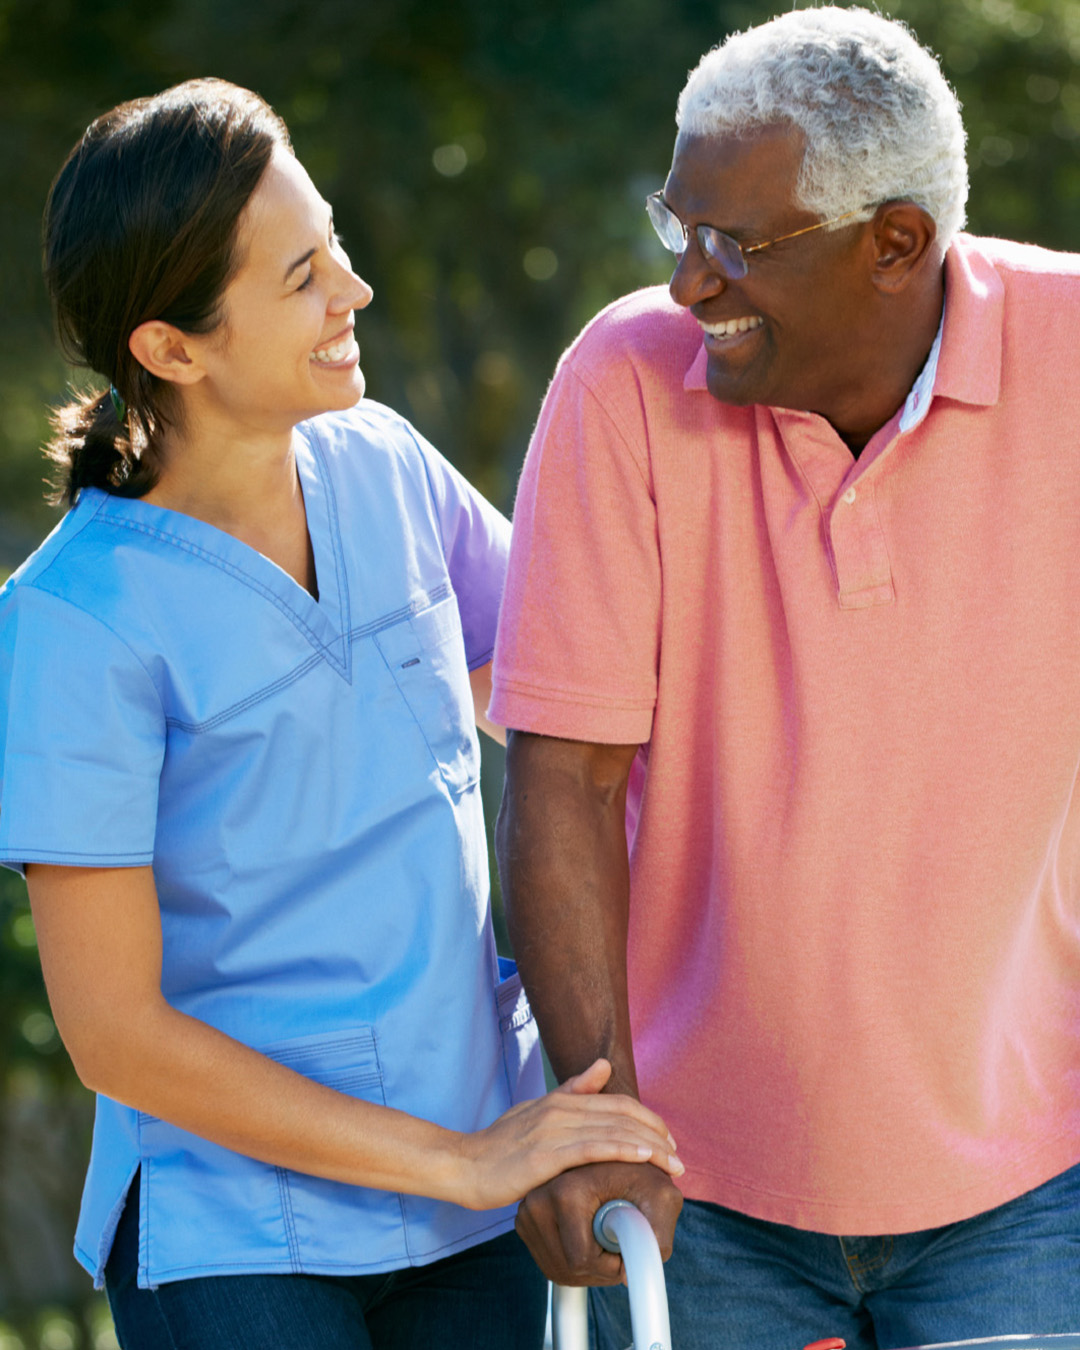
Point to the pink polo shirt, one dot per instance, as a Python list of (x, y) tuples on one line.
[(854, 824)]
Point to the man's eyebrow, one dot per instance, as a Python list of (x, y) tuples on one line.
[(300, 262), (736, 232)]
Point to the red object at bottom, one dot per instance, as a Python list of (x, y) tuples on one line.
[(831, 1343)]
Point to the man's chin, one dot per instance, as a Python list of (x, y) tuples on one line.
[(739, 393)]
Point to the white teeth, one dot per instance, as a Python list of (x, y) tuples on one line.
[(729, 327), (330, 355)]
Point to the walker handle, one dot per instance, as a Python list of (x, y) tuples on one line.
[(620, 1227)]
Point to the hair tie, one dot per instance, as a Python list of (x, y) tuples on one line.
[(119, 406)]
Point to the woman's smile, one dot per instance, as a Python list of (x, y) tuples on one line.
[(339, 352)]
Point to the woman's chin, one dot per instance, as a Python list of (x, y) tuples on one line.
[(337, 395)]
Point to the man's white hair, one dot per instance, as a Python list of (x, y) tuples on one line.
[(879, 118)]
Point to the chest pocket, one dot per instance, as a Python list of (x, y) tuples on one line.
[(426, 656)]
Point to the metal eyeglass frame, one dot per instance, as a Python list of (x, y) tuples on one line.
[(716, 246)]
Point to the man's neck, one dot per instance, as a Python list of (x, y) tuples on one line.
[(879, 399)]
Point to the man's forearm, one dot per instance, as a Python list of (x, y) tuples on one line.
[(561, 848)]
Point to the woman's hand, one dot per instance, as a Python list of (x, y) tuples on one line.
[(99, 935), (569, 1127)]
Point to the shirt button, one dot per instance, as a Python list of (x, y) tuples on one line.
[(849, 496)]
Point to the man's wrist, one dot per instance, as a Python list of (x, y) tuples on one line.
[(623, 1080)]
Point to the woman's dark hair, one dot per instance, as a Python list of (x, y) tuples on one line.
[(141, 223)]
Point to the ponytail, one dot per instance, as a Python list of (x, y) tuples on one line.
[(92, 446), (141, 223)]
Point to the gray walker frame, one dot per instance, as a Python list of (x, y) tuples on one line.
[(619, 1227)]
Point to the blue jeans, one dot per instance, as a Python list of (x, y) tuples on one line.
[(490, 1297), (741, 1283)]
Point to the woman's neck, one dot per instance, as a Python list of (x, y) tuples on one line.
[(248, 488)]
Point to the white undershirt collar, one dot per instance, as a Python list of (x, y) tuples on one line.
[(917, 403)]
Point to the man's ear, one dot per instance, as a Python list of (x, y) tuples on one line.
[(166, 352), (904, 238)]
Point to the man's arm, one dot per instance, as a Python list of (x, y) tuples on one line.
[(561, 847)]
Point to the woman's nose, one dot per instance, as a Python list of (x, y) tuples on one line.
[(353, 292), (362, 293)]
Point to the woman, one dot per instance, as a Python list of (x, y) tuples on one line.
[(241, 775)]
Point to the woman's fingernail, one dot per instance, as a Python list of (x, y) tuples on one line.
[(676, 1166), (643, 1151)]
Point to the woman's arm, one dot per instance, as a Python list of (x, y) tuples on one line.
[(481, 691), (99, 935)]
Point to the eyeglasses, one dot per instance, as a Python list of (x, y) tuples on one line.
[(728, 255)]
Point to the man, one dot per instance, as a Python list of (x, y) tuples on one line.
[(791, 648)]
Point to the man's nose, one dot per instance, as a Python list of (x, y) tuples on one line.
[(693, 279)]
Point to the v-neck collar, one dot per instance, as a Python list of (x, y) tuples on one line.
[(325, 623)]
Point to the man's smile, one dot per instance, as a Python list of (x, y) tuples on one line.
[(727, 328)]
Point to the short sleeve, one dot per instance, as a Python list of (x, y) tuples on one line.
[(578, 642), (476, 542), (82, 739)]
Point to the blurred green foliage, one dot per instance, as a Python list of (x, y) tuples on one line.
[(487, 163)]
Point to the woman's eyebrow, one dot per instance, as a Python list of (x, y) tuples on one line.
[(299, 263)]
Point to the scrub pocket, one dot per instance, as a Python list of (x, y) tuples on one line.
[(520, 1036), (209, 1210), (426, 656), (316, 1209)]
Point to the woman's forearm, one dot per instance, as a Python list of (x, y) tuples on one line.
[(180, 1069), (99, 936)]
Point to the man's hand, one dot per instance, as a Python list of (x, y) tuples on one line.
[(555, 1220), (561, 845)]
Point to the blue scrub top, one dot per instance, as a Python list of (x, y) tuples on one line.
[(304, 778)]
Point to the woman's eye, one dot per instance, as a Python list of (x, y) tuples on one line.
[(306, 282)]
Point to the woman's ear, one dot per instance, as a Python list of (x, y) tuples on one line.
[(904, 238), (166, 352)]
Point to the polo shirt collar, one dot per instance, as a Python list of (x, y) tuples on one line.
[(970, 366), (969, 362)]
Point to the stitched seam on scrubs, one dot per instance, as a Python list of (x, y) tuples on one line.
[(238, 575), (471, 1239), (482, 661), (456, 789), (400, 1198), (89, 514), (88, 1264), (433, 499), (287, 1216), (421, 606), (471, 663), (461, 1244), (35, 854), (267, 692), (502, 1046), (317, 450), (94, 618), (387, 621), (388, 1266)]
